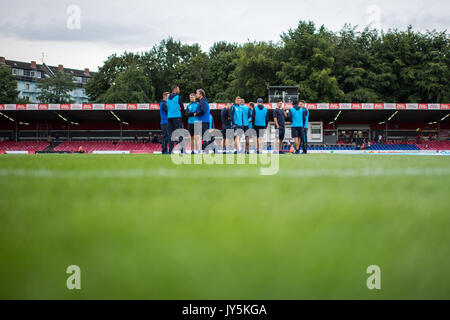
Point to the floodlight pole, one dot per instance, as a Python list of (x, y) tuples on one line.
[(438, 136), (386, 131), (68, 131)]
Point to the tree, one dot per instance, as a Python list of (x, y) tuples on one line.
[(221, 66), (347, 66), (308, 60), (104, 78), (432, 79), (255, 69), (55, 89), (167, 63), (356, 65), (130, 85), (8, 86), (192, 74)]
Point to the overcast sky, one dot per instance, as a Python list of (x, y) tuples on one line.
[(30, 27)]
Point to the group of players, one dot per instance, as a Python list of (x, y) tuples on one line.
[(238, 118)]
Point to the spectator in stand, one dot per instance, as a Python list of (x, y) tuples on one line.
[(380, 139), (150, 137), (419, 136), (359, 140), (50, 140)]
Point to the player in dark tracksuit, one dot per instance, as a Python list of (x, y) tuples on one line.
[(279, 116), (164, 125), (203, 113), (225, 117), (246, 122)]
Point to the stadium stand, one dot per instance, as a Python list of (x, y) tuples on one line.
[(32, 146), (400, 146), (139, 147), (380, 147), (90, 146), (124, 127), (434, 145)]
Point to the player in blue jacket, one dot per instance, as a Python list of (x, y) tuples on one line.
[(203, 113), (237, 122), (191, 109), (260, 122), (174, 109), (296, 117)]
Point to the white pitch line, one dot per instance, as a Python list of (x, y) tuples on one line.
[(195, 173)]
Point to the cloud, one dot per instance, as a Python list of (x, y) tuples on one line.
[(115, 26), (98, 24), (139, 23), (419, 21)]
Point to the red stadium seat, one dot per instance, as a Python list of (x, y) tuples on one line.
[(23, 145)]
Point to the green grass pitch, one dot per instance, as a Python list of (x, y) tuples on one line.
[(141, 227)]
